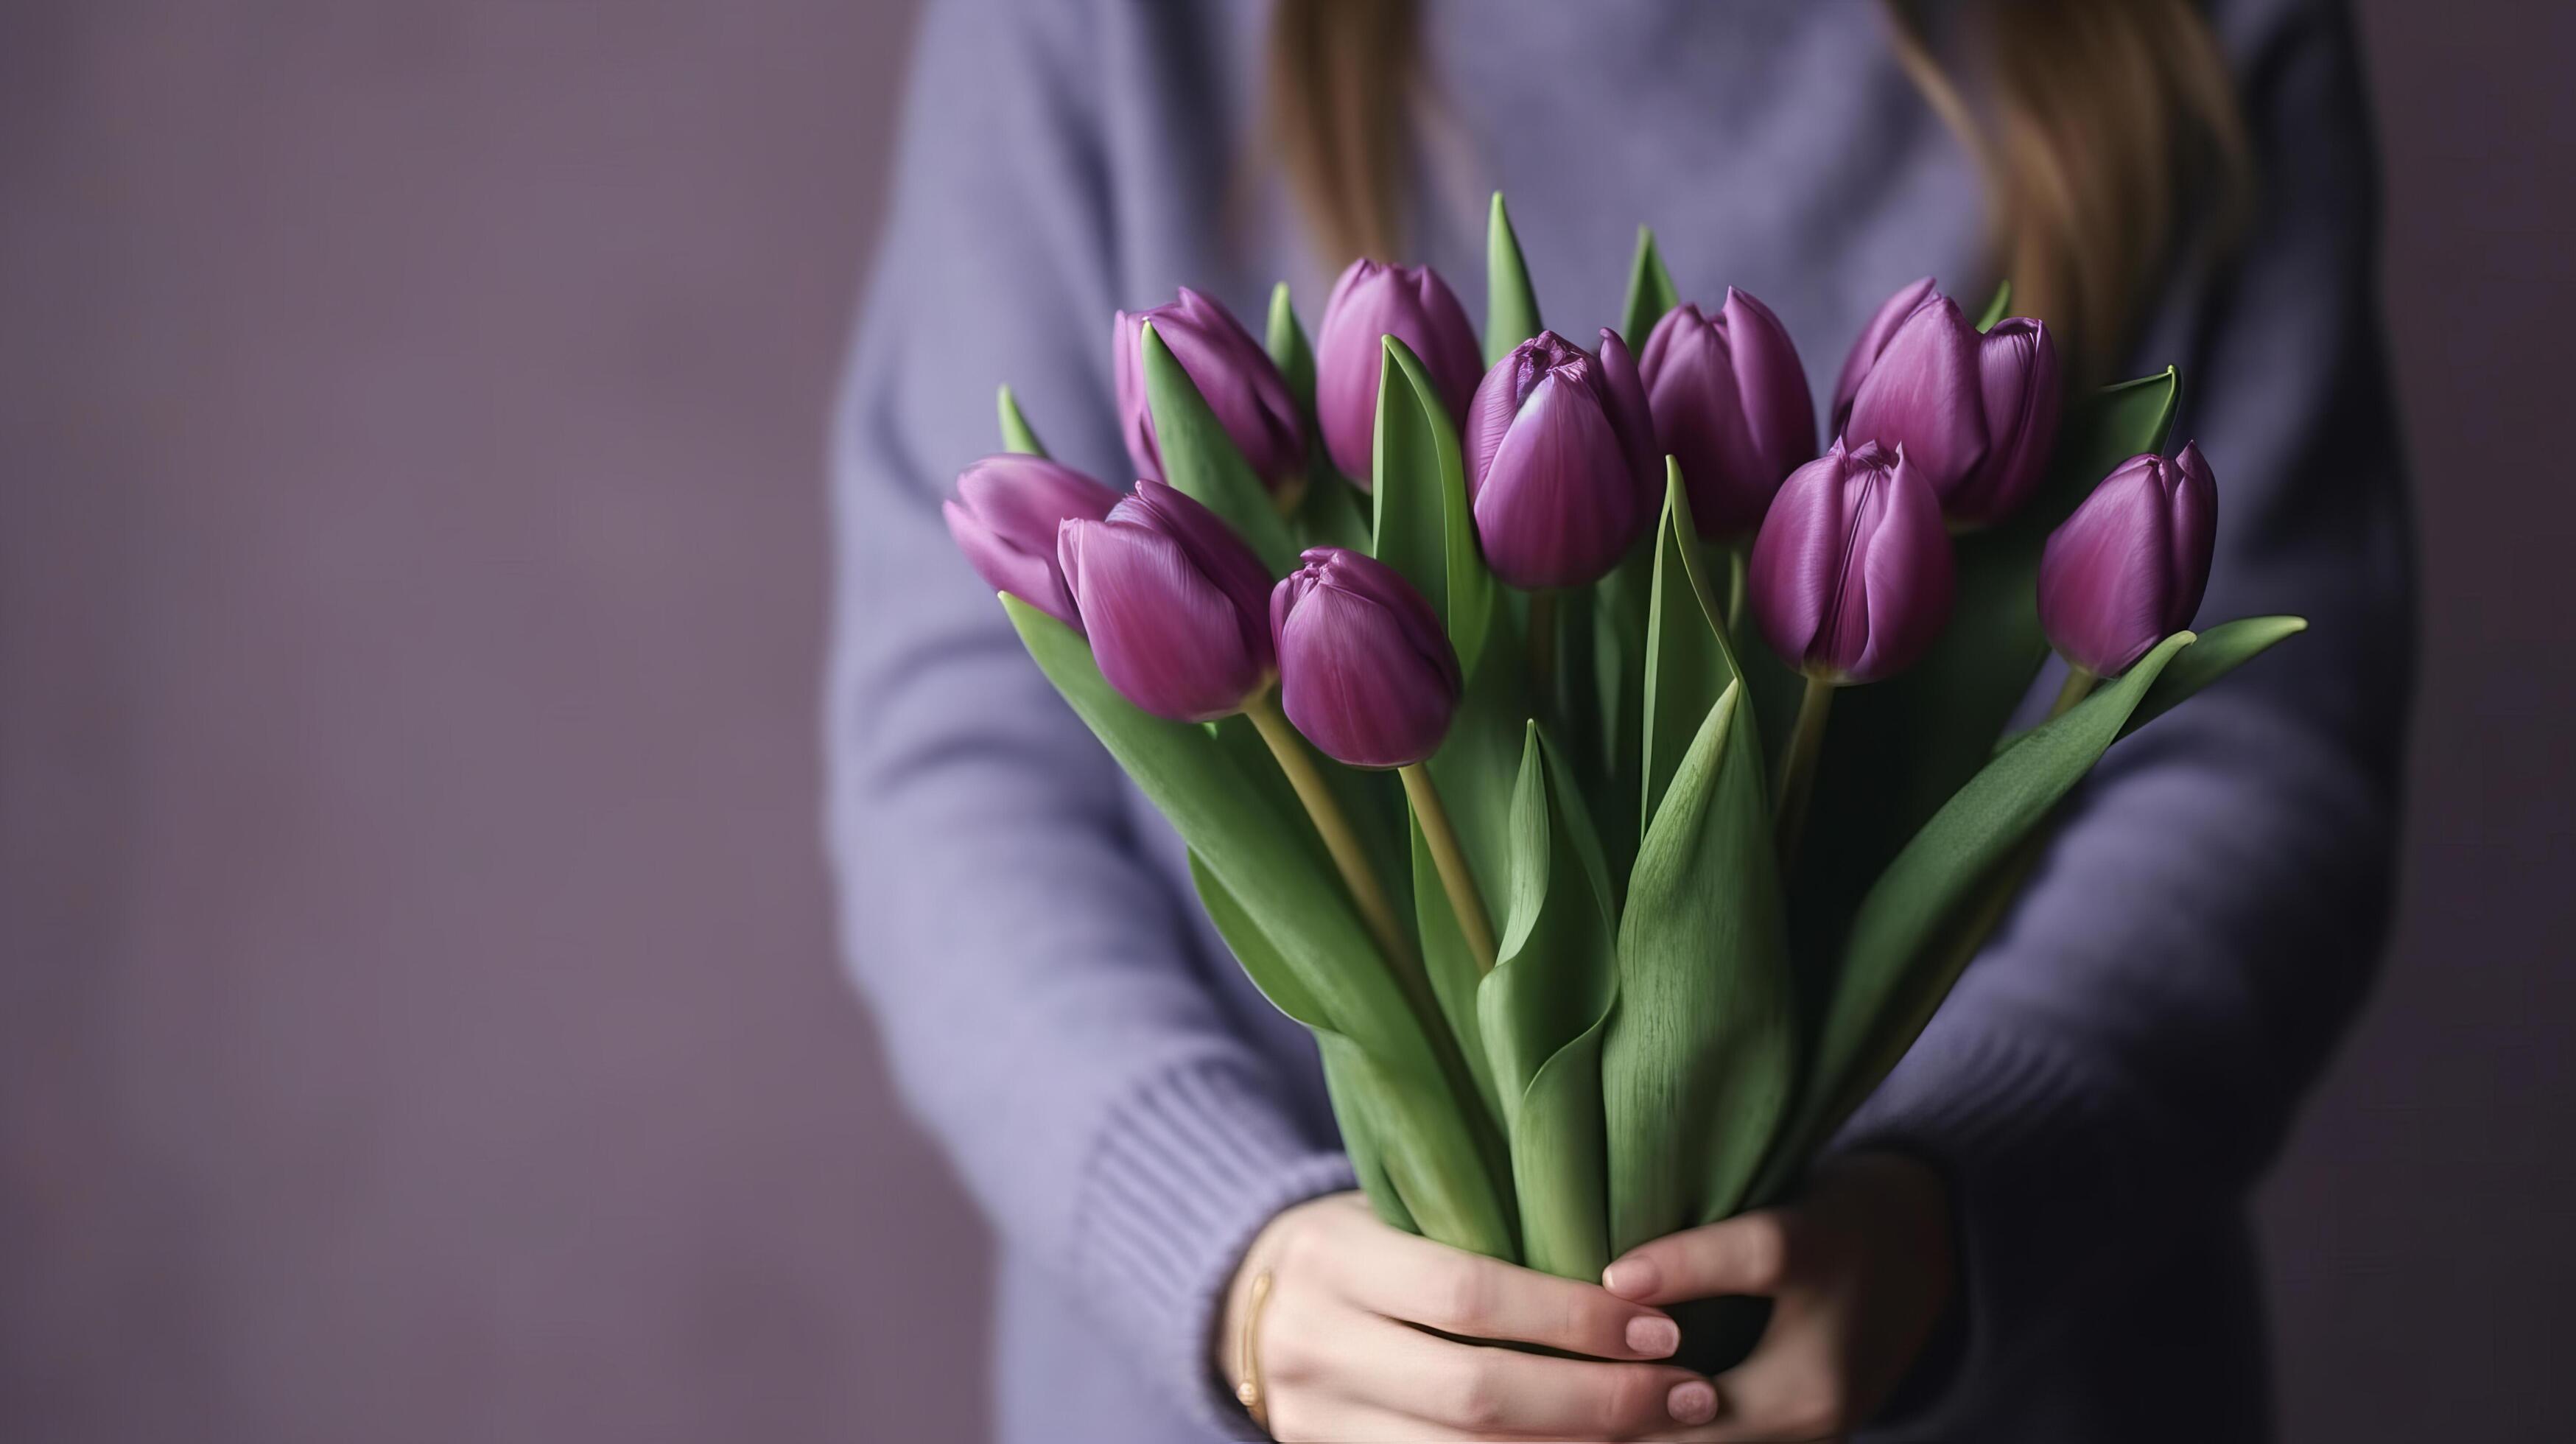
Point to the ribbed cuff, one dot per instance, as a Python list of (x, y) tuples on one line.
[(2045, 1159), (1185, 1174)]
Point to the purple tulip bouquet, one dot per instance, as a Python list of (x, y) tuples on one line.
[(1613, 784)]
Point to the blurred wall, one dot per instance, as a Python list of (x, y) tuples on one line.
[(417, 1014)]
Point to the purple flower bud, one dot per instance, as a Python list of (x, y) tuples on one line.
[(1874, 337), (2127, 569), (1923, 396), (1005, 518), (1730, 403), (1851, 576), (2018, 378), (1176, 605), (1365, 670), (1237, 377), (1561, 460), (1369, 303)]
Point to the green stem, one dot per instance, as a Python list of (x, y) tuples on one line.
[(1737, 566), (1456, 878), (2079, 685), (1340, 839), (1798, 773), (1542, 646)]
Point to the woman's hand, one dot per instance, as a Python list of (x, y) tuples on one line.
[(1858, 1270), (1343, 1353)]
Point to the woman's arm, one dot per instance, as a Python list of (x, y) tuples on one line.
[(2125, 1056), (1031, 975)]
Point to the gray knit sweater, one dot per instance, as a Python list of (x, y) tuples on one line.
[(2109, 1075)]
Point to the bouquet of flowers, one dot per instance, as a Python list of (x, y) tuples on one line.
[(1613, 784)]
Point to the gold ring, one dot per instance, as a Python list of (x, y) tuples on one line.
[(1247, 1363)]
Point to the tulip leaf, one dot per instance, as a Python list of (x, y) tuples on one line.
[(1286, 343), (1201, 460), (1897, 750), (1511, 307), (1369, 1103), (1423, 528), (1923, 920), (1269, 870), (1650, 292), (1688, 661), (2221, 650), (1702, 1056), (1997, 308), (1016, 434), (1544, 1006)]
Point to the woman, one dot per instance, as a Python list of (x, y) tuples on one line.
[(2036, 1230)]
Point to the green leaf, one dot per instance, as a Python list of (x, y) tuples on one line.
[(1332, 513), (1511, 307), (1286, 343), (1650, 292), (1363, 1095), (1702, 1056), (1897, 750), (1543, 1006), (1423, 527), (2221, 650), (1016, 435), (1312, 948), (1688, 662), (1997, 308), (1905, 947), (1200, 459)]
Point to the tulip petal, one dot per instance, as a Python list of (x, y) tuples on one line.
[(2194, 513), (1214, 552), (1779, 410), (1906, 580), (1354, 683), (1873, 339), (1370, 302), (1031, 577), (1165, 636), (2106, 585), (2019, 387), (1632, 421), (1559, 504), (1924, 396), (1692, 389), (1796, 568)]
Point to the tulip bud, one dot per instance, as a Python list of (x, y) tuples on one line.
[(1370, 302), (2018, 379), (1365, 670), (1175, 603), (1005, 518), (1560, 450), (1874, 337), (2128, 568), (1241, 383), (1851, 577), (1730, 403), (1923, 396)]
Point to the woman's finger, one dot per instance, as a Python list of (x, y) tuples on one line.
[(1750, 1254), (1790, 1390), (1479, 1391), (1420, 1282)]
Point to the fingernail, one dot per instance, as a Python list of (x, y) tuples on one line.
[(1653, 1335), (1630, 1278), (1692, 1403)]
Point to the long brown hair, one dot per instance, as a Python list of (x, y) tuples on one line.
[(2107, 132)]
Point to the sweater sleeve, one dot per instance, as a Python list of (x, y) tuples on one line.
[(1043, 1009), (2125, 1055)]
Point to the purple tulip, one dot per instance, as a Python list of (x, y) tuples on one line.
[(2018, 378), (1561, 461), (1851, 576), (1005, 518), (1874, 337), (2128, 568), (1923, 395), (1176, 605), (1730, 403), (1365, 670), (1230, 369), (1370, 302)]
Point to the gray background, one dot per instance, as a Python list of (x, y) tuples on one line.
[(417, 1015)]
